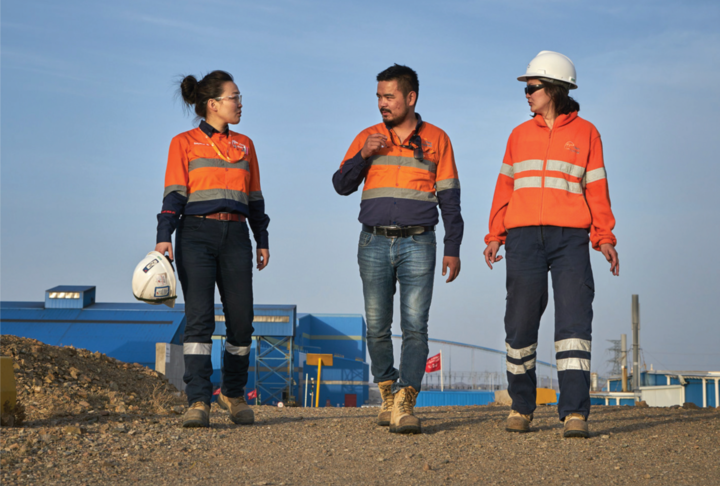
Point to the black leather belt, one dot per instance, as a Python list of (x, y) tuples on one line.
[(397, 231)]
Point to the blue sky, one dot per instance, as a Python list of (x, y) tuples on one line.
[(89, 108)]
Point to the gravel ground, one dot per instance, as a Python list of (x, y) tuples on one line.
[(459, 445)]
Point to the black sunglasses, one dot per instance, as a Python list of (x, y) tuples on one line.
[(415, 144), (531, 88)]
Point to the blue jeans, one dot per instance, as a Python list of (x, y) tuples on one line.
[(530, 252), (411, 262), (210, 252)]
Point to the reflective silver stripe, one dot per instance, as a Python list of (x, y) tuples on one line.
[(212, 194), (573, 364), (182, 190), (197, 348), (563, 185), (595, 175), (399, 193), (237, 350), (532, 164), (516, 369), (566, 167), (218, 163), (524, 182), (507, 170), (403, 162), (256, 196), (520, 353), (447, 184), (573, 344)]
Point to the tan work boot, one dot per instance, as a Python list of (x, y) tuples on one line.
[(387, 402), (517, 422), (402, 419), (240, 411), (576, 426), (198, 415)]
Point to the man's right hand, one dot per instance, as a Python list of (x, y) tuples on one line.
[(491, 253), (374, 142), (165, 247)]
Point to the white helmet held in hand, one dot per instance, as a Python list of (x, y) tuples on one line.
[(551, 65), (154, 280)]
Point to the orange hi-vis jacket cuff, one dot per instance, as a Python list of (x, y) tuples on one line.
[(404, 190), (201, 181), (553, 178)]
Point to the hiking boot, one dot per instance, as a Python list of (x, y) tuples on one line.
[(198, 415), (387, 402), (402, 419), (240, 411), (576, 426), (517, 422)]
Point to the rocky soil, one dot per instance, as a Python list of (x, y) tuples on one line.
[(459, 445)]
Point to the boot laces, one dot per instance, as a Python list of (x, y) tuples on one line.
[(387, 398), (407, 402)]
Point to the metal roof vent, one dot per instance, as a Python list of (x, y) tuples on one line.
[(70, 297)]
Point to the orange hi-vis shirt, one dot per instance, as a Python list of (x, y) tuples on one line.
[(201, 181), (553, 178), (402, 190)]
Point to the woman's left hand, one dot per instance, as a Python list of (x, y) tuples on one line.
[(611, 256), (263, 258)]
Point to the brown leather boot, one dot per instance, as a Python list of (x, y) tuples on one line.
[(387, 402), (403, 420), (517, 422), (240, 411), (198, 415), (576, 426)]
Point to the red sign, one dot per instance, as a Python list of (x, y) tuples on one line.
[(433, 364), (252, 394)]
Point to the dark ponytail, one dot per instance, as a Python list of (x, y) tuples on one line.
[(197, 93), (559, 93)]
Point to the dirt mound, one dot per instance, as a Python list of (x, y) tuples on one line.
[(57, 381)]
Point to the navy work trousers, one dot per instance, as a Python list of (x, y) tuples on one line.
[(531, 252), (210, 252)]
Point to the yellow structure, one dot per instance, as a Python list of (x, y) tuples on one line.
[(545, 395), (315, 359), (8, 393)]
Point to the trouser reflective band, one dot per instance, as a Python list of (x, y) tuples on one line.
[(573, 354), (237, 350), (519, 361), (197, 348)]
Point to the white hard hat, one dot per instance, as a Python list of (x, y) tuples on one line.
[(154, 280), (551, 65)]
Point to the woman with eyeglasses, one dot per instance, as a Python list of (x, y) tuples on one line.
[(212, 192), (551, 200)]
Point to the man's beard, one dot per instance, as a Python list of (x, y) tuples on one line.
[(392, 123)]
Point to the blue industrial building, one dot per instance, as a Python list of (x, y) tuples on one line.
[(128, 332), (699, 387)]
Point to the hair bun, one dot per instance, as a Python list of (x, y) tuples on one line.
[(188, 89)]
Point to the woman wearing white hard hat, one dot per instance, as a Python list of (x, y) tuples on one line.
[(551, 200), (212, 187)]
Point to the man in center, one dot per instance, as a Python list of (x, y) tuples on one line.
[(408, 169)]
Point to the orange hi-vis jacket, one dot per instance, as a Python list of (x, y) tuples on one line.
[(201, 181), (553, 178), (402, 190)]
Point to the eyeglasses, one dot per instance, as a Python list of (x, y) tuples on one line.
[(237, 99), (531, 88), (416, 145)]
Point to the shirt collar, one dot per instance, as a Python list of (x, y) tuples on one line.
[(209, 130), (416, 131)]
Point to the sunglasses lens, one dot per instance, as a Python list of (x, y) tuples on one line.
[(532, 88)]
